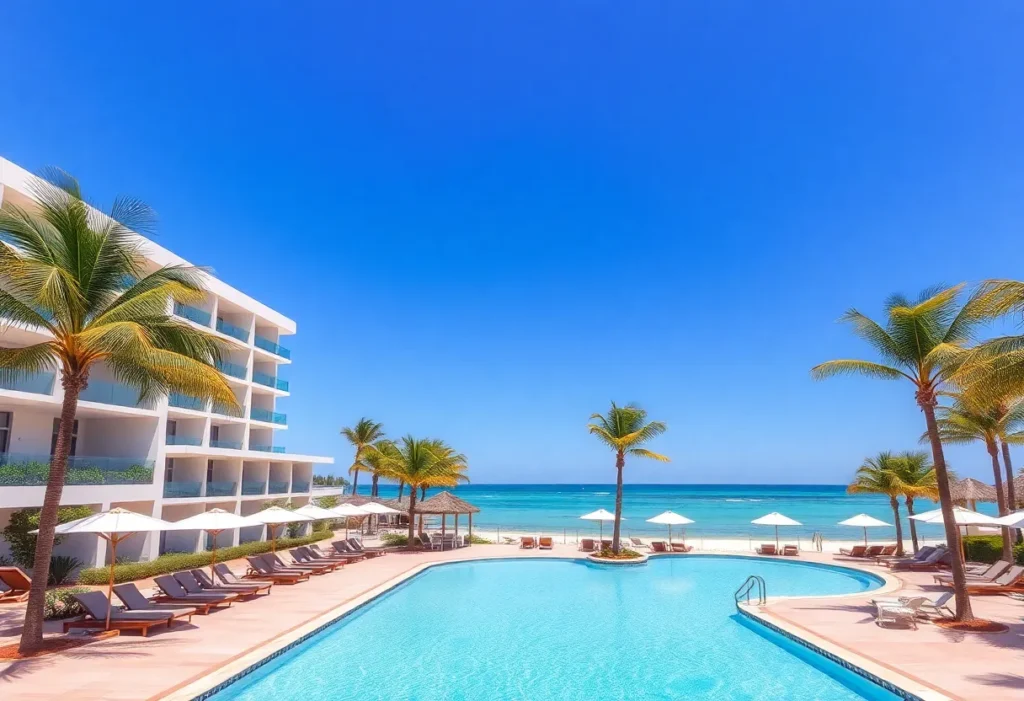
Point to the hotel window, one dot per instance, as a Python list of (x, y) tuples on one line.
[(169, 472), (172, 428), (5, 430), (214, 434), (74, 437), (209, 470)]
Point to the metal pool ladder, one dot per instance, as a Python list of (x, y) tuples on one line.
[(750, 584)]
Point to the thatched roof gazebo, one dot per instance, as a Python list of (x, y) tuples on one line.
[(445, 503), (970, 491)]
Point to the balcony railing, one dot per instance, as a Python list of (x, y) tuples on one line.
[(231, 369), (300, 487), (268, 448), (184, 440), (27, 470), (268, 345), (257, 414), (183, 401), (225, 410), (233, 445), (110, 393), (36, 383), (250, 487), (277, 487), (192, 314), (220, 489), (263, 378), (182, 490), (232, 330)]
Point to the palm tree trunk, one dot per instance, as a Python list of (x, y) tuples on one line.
[(1011, 489), (997, 472), (927, 402), (895, 504), (355, 482), (373, 486), (412, 518), (401, 488), (32, 632), (423, 492), (913, 524), (620, 462)]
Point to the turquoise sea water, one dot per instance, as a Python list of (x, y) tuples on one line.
[(547, 630), (719, 510)]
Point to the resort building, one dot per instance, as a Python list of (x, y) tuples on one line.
[(170, 458)]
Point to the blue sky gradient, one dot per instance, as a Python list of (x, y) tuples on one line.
[(489, 219)]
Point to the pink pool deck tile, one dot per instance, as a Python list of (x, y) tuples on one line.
[(131, 667)]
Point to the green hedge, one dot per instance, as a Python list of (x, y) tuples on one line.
[(174, 562), (60, 603), (989, 548)]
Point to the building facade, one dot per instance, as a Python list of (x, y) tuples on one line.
[(171, 458)]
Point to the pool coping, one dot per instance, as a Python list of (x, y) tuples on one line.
[(248, 662)]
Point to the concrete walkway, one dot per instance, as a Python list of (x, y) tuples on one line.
[(130, 667)]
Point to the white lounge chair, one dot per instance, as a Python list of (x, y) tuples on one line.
[(899, 615), (923, 605)]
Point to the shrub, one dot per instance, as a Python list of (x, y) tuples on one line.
[(173, 562), (138, 474), (59, 603), (395, 539), (989, 548), (25, 473), (62, 569), (328, 502), (84, 475), (480, 540), (23, 543), (624, 554)]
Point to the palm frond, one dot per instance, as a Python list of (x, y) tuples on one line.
[(835, 368)]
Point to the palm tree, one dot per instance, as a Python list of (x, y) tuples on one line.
[(917, 477), (624, 430), (922, 342), (373, 461), (79, 276), (363, 435), (880, 475), (960, 424), (419, 463)]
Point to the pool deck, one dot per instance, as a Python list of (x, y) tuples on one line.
[(177, 663)]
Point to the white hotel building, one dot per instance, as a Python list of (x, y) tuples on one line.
[(173, 458)]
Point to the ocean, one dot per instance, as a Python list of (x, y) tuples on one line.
[(718, 510)]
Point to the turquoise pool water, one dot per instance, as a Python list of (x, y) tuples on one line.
[(558, 629)]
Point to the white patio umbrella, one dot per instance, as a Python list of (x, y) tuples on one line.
[(373, 508), (346, 510), (864, 521), (962, 517), (214, 522), (1014, 520), (600, 515), (776, 519), (275, 516), (113, 526), (671, 518)]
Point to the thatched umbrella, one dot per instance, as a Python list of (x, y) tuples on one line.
[(445, 503), (970, 491), (1018, 491)]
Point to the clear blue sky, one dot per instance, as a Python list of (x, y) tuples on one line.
[(490, 218)]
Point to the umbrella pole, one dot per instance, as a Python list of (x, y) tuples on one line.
[(113, 539), (670, 535), (213, 552), (776, 537), (865, 535)]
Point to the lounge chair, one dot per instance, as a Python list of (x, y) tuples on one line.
[(191, 585), (344, 549), (316, 568), (96, 606), (302, 557), (681, 548), (886, 551), (14, 585), (931, 563), (306, 554), (923, 606), (658, 546), (252, 588), (225, 575), (637, 543), (258, 567), (527, 542), (767, 549), (790, 551), (987, 575), (588, 545), (546, 543), (855, 551), (173, 591), (919, 556), (360, 548), (432, 543), (900, 615), (1011, 581), (135, 600)]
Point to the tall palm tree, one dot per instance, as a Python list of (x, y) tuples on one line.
[(880, 475), (363, 435), (917, 478), (624, 429), (79, 276), (421, 462), (373, 460), (922, 342), (960, 424)]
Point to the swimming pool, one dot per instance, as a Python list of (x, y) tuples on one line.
[(546, 629)]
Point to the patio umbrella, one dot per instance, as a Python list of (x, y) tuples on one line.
[(346, 510), (372, 507), (961, 516), (671, 518), (275, 516), (776, 519), (1014, 520), (600, 515), (214, 522), (864, 521), (113, 526)]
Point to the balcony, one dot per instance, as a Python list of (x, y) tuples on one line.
[(300, 487), (225, 410), (110, 393), (183, 401), (233, 331), (277, 487), (257, 414), (220, 489), (232, 445), (268, 345), (268, 448), (251, 487), (231, 369), (184, 440), (269, 380), (192, 314), (26, 470), (182, 490), (36, 383)]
